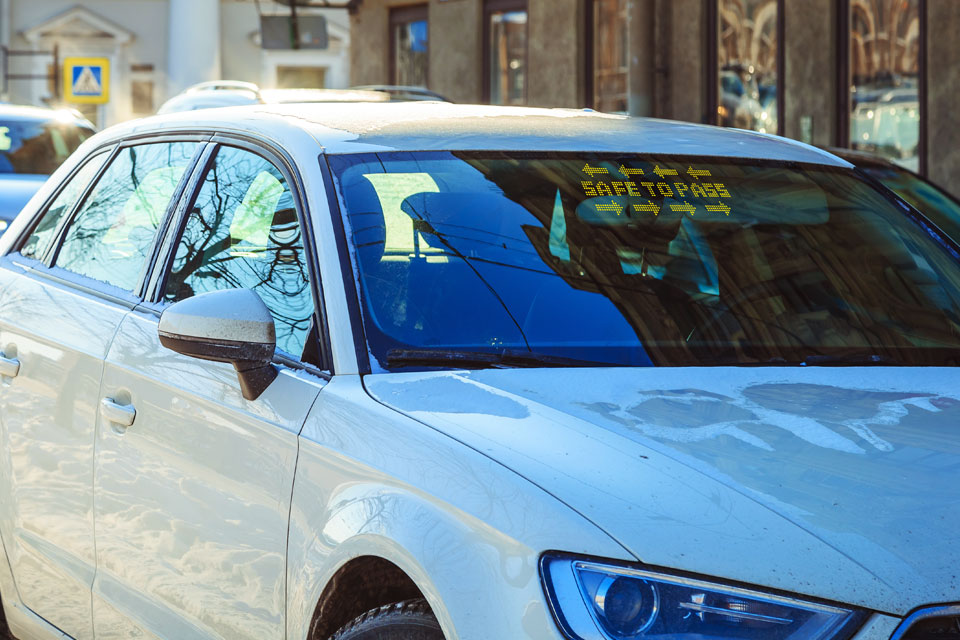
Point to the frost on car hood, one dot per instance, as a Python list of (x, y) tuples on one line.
[(841, 483)]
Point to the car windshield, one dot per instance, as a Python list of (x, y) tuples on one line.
[(938, 206), (38, 146), (501, 259)]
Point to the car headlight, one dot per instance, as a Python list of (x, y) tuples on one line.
[(598, 601), (3, 225)]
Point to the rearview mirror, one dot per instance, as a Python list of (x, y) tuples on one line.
[(226, 326)]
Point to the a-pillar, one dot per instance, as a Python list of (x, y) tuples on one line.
[(194, 48), (641, 48)]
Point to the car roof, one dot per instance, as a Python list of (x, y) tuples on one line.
[(40, 114), (424, 126)]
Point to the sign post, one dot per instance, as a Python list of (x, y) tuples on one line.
[(86, 80)]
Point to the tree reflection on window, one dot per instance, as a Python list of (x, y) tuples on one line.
[(243, 232), (112, 234), (42, 236)]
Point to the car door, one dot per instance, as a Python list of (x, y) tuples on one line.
[(192, 495), (56, 324)]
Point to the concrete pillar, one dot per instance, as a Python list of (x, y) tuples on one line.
[(4, 35), (370, 44), (5, 22), (943, 79), (193, 53), (641, 48), (809, 81), (554, 64), (684, 85), (456, 32)]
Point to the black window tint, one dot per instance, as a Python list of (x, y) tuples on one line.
[(243, 232), (41, 237), (111, 235)]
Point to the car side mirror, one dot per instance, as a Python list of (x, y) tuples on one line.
[(225, 326)]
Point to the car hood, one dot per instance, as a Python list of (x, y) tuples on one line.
[(838, 483), (15, 191)]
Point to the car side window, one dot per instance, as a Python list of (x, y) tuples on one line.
[(110, 238), (41, 237), (243, 232)]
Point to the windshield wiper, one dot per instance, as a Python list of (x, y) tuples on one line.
[(482, 359)]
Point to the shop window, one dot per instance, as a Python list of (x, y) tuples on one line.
[(608, 55), (506, 51), (748, 61), (409, 49), (885, 56)]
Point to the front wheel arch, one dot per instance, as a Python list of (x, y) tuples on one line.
[(361, 585)]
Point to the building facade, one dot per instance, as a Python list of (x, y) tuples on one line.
[(156, 48), (880, 75)]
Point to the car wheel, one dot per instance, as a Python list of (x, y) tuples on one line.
[(407, 620)]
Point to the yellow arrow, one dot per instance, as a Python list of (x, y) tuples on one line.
[(686, 206), (653, 208), (613, 206), (697, 173), (630, 172), (592, 170), (718, 207), (664, 172)]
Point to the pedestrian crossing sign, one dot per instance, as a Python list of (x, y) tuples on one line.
[(86, 80)]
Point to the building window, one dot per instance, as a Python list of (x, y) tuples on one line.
[(505, 60), (291, 77), (885, 56), (748, 61), (142, 89), (608, 55), (141, 96), (408, 46)]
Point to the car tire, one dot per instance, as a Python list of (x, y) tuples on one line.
[(407, 620)]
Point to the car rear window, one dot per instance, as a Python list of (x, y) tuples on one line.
[(38, 147), (636, 261)]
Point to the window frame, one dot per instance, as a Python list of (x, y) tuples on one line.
[(712, 43), (167, 248), (489, 8), (107, 152), (841, 134), (405, 15), (138, 292)]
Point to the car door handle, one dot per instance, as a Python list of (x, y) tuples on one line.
[(121, 414), (9, 367)]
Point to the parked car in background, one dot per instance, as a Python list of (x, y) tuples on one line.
[(228, 93), (33, 143), (885, 120), (942, 208), (428, 371), (404, 92)]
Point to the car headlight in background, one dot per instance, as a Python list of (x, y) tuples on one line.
[(3, 225), (598, 601)]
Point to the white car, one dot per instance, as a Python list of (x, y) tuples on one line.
[(424, 371), (231, 93)]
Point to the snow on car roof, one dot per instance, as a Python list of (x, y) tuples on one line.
[(421, 126)]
